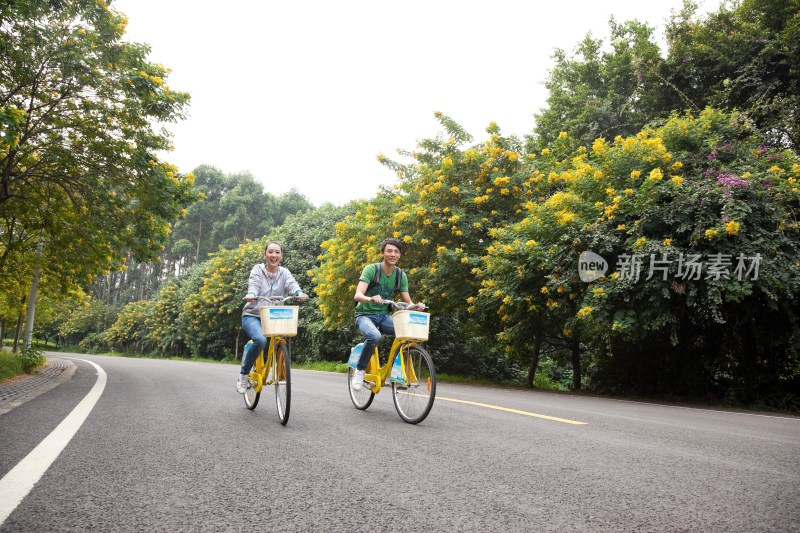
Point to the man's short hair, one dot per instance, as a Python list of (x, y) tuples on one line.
[(393, 242)]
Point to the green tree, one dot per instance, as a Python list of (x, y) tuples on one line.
[(78, 145), (745, 56), (195, 225), (212, 312), (528, 289), (129, 331), (601, 93), (704, 187), (302, 236), (89, 318), (247, 212), (444, 209), (163, 323), (52, 313)]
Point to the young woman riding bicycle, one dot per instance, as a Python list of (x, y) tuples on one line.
[(266, 279)]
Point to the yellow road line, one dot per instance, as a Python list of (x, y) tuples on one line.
[(516, 411)]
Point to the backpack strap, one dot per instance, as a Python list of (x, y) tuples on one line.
[(398, 279), (377, 277)]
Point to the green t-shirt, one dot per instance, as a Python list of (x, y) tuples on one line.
[(385, 288)]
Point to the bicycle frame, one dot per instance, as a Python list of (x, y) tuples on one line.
[(264, 367), (378, 374)]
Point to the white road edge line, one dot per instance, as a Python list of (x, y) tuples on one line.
[(19, 481)]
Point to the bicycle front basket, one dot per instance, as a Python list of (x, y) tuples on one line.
[(411, 325), (279, 320)]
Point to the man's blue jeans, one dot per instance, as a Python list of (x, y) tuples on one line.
[(371, 326), (252, 327)]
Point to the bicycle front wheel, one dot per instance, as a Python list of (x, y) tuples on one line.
[(362, 398), (251, 397), (413, 398), (283, 382)]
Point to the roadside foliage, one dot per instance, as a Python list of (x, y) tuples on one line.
[(643, 240), (81, 179)]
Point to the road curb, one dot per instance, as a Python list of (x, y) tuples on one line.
[(20, 389)]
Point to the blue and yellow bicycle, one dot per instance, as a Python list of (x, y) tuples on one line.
[(409, 368), (273, 365)]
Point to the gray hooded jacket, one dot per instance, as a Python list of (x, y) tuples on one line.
[(259, 285)]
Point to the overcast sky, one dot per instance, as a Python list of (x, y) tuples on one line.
[(306, 94)]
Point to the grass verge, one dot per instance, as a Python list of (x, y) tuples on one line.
[(15, 364), (10, 365)]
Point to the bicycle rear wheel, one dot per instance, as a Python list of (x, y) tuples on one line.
[(251, 397), (362, 398), (283, 381), (413, 398)]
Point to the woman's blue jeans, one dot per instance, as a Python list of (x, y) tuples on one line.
[(252, 327), (371, 326)]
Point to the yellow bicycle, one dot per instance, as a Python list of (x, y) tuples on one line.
[(278, 323), (409, 368)]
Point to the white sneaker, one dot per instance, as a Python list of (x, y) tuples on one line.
[(358, 380), (242, 383)]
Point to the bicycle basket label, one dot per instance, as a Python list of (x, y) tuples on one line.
[(418, 318), (281, 314), (397, 371)]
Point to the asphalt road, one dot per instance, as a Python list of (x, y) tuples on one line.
[(170, 446)]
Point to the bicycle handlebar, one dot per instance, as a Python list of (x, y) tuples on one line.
[(275, 300), (403, 306)]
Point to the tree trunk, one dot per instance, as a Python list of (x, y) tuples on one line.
[(142, 277), (199, 238), (576, 364), (537, 346), (32, 298), (18, 331), (236, 348)]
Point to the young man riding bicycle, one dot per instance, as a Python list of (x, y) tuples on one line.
[(378, 282)]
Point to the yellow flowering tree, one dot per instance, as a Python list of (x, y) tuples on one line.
[(355, 244), (164, 325), (527, 280), (128, 333), (453, 197), (79, 144), (681, 214), (212, 314)]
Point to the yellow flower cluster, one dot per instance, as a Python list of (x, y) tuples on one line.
[(565, 217), (599, 145)]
